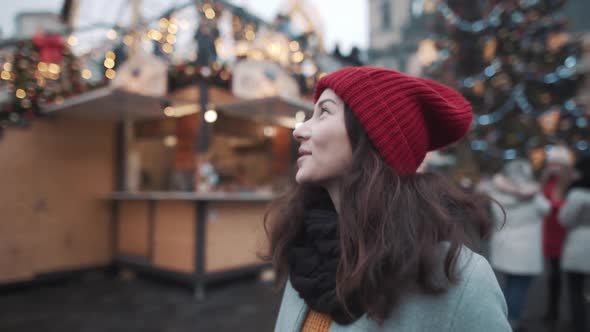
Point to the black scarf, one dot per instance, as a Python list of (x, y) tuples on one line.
[(313, 260)]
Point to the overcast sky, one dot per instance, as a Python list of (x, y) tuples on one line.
[(343, 24)]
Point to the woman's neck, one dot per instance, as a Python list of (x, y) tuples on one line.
[(333, 189)]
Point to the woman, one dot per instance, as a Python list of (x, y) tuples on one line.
[(515, 249), (364, 243), (575, 216), (555, 178)]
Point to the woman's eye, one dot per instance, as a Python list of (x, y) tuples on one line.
[(323, 110)]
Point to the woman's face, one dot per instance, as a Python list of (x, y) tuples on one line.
[(325, 152)]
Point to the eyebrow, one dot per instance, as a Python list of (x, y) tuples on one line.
[(325, 101)]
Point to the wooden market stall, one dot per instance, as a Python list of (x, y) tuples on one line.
[(95, 184), (124, 171), (215, 232)]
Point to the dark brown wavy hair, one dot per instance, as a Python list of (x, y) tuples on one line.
[(390, 228)]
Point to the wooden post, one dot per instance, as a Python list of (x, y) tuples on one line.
[(135, 20)]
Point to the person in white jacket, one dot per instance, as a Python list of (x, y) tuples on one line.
[(575, 216), (515, 246)]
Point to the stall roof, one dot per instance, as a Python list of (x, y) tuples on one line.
[(109, 103), (278, 110), (112, 104)]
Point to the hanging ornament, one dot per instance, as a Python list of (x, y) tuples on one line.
[(490, 49), (479, 88), (549, 121), (556, 40)]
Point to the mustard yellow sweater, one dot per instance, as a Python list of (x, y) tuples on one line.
[(316, 322)]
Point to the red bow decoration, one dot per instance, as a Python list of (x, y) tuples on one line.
[(50, 47)]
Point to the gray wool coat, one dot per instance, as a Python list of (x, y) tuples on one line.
[(475, 303)]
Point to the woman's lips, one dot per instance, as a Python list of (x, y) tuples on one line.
[(303, 151), (302, 157)]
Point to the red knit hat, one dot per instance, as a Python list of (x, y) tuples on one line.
[(404, 116)]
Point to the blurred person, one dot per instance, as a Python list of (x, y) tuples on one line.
[(555, 179), (363, 242), (575, 216), (515, 249)]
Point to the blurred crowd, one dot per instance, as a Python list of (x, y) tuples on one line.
[(542, 224)]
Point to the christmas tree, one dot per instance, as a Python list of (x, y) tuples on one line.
[(519, 67)]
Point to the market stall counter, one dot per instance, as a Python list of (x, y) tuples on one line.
[(193, 238)]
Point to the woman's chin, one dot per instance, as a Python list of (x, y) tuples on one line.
[(301, 177)]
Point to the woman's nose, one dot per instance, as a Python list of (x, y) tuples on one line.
[(301, 132)]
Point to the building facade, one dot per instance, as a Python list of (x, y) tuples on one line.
[(397, 31)]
